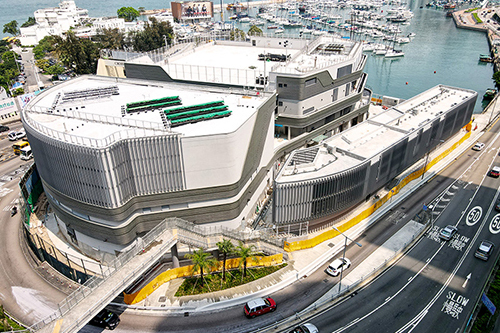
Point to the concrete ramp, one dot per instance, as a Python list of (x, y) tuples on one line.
[(85, 302)]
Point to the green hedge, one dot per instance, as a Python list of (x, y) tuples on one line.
[(213, 282), (471, 9), (6, 324), (476, 18), (483, 317)]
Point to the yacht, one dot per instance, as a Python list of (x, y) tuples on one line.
[(394, 53)]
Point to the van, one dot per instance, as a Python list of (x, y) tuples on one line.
[(26, 153)]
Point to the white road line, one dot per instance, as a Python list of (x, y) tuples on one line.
[(414, 322)]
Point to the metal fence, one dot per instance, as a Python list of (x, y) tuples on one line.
[(91, 142), (205, 237), (107, 271), (422, 217)]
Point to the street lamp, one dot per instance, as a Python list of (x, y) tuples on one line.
[(343, 255), (427, 156)]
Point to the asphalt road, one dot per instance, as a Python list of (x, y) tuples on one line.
[(23, 293), (435, 286), (415, 295)]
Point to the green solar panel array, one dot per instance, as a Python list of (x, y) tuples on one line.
[(195, 119), (153, 104)]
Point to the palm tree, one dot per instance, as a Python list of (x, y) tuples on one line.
[(201, 262), (225, 247), (245, 252)]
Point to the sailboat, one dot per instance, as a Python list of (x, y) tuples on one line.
[(393, 53)]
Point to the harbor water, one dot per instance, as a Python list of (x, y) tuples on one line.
[(438, 54)]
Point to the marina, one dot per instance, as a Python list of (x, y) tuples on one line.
[(422, 36)]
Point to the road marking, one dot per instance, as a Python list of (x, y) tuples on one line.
[(416, 320), (495, 224), (418, 317), (467, 280), (474, 216), (5, 191), (354, 321)]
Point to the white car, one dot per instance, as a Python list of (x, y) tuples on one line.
[(448, 232), (478, 146), (16, 135), (305, 328), (337, 266)]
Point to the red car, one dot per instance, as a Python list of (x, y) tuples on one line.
[(495, 172), (259, 306)]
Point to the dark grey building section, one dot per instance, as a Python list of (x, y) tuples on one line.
[(293, 88), (146, 72), (336, 193)]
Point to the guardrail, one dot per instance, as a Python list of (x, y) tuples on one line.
[(302, 315), (91, 284)]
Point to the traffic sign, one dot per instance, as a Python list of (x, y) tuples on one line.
[(489, 304)]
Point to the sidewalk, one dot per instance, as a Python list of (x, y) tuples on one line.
[(300, 263), (163, 301)]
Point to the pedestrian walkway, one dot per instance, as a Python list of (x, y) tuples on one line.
[(300, 262)]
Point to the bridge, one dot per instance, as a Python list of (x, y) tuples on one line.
[(96, 293)]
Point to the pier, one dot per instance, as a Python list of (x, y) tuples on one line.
[(482, 19)]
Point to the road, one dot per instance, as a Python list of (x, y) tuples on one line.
[(415, 294), (435, 286), (422, 293), (23, 293), (33, 75)]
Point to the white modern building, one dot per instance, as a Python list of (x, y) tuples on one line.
[(53, 21), (201, 131)]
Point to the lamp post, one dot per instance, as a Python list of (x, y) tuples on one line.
[(343, 255), (427, 156), (493, 109)]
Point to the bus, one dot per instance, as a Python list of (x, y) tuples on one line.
[(26, 153), (18, 146)]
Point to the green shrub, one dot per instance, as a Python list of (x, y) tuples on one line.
[(213, 282), (476, 18), (6, 324)]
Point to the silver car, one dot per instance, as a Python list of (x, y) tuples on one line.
[(448, 232), (484, 250)]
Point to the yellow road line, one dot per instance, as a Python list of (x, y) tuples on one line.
[(57, 326)]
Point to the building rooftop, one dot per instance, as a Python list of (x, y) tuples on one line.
[(359, 143), (241, 62), (85, 108)]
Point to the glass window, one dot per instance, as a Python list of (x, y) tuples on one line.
[(310, 82)]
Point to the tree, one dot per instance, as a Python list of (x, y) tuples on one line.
[(496, 78), (55, 69), (225, 247), (45, 46), (237, 34), (43, 64), (245, 252), (255, 31), (151, 38), (80, 54), (128, 13), (31, 21), (11, 28), (17, 92), (111, 39), (141, 9), (201, 262)]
